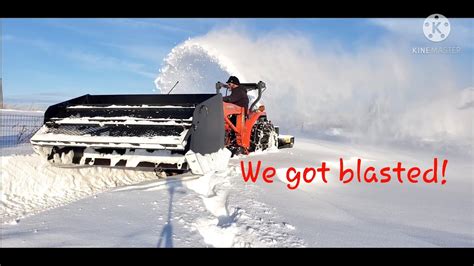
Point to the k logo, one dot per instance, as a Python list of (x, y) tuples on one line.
[(436, 28)]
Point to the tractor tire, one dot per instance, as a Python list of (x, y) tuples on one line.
[(263, 136)]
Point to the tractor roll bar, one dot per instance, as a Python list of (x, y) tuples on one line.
[(248, 86)]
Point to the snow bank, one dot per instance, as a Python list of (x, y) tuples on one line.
[(30, 185)]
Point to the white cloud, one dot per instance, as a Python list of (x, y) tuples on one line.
[(403, 26), (411, 29), (90, 59), (143, 52), (146, 23)]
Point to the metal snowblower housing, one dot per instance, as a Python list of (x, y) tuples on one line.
[(148, 130)]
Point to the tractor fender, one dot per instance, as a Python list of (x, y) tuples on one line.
[(251, 120)]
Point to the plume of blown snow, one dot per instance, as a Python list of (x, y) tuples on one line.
[(378, 94)]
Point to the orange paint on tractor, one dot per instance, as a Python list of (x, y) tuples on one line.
[(243, 126)]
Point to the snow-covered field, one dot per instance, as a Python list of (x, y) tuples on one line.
[(105, 207), (378, 109)]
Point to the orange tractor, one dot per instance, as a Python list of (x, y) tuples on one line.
[(248, 132)]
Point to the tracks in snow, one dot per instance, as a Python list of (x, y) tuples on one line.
[(236, 218)]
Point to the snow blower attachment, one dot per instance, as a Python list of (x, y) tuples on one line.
[(165, 132), (171, 133)]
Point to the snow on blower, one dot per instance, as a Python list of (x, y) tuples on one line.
[(178, 132)]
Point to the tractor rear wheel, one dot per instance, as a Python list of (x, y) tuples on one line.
[(263, 135)]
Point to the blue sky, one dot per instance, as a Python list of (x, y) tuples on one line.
[(50, 60)]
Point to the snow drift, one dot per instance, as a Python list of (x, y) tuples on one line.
[(31, 185)]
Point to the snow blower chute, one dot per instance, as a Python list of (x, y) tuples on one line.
[(166, 132)]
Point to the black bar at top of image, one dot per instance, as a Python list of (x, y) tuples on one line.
[(237, 9)]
